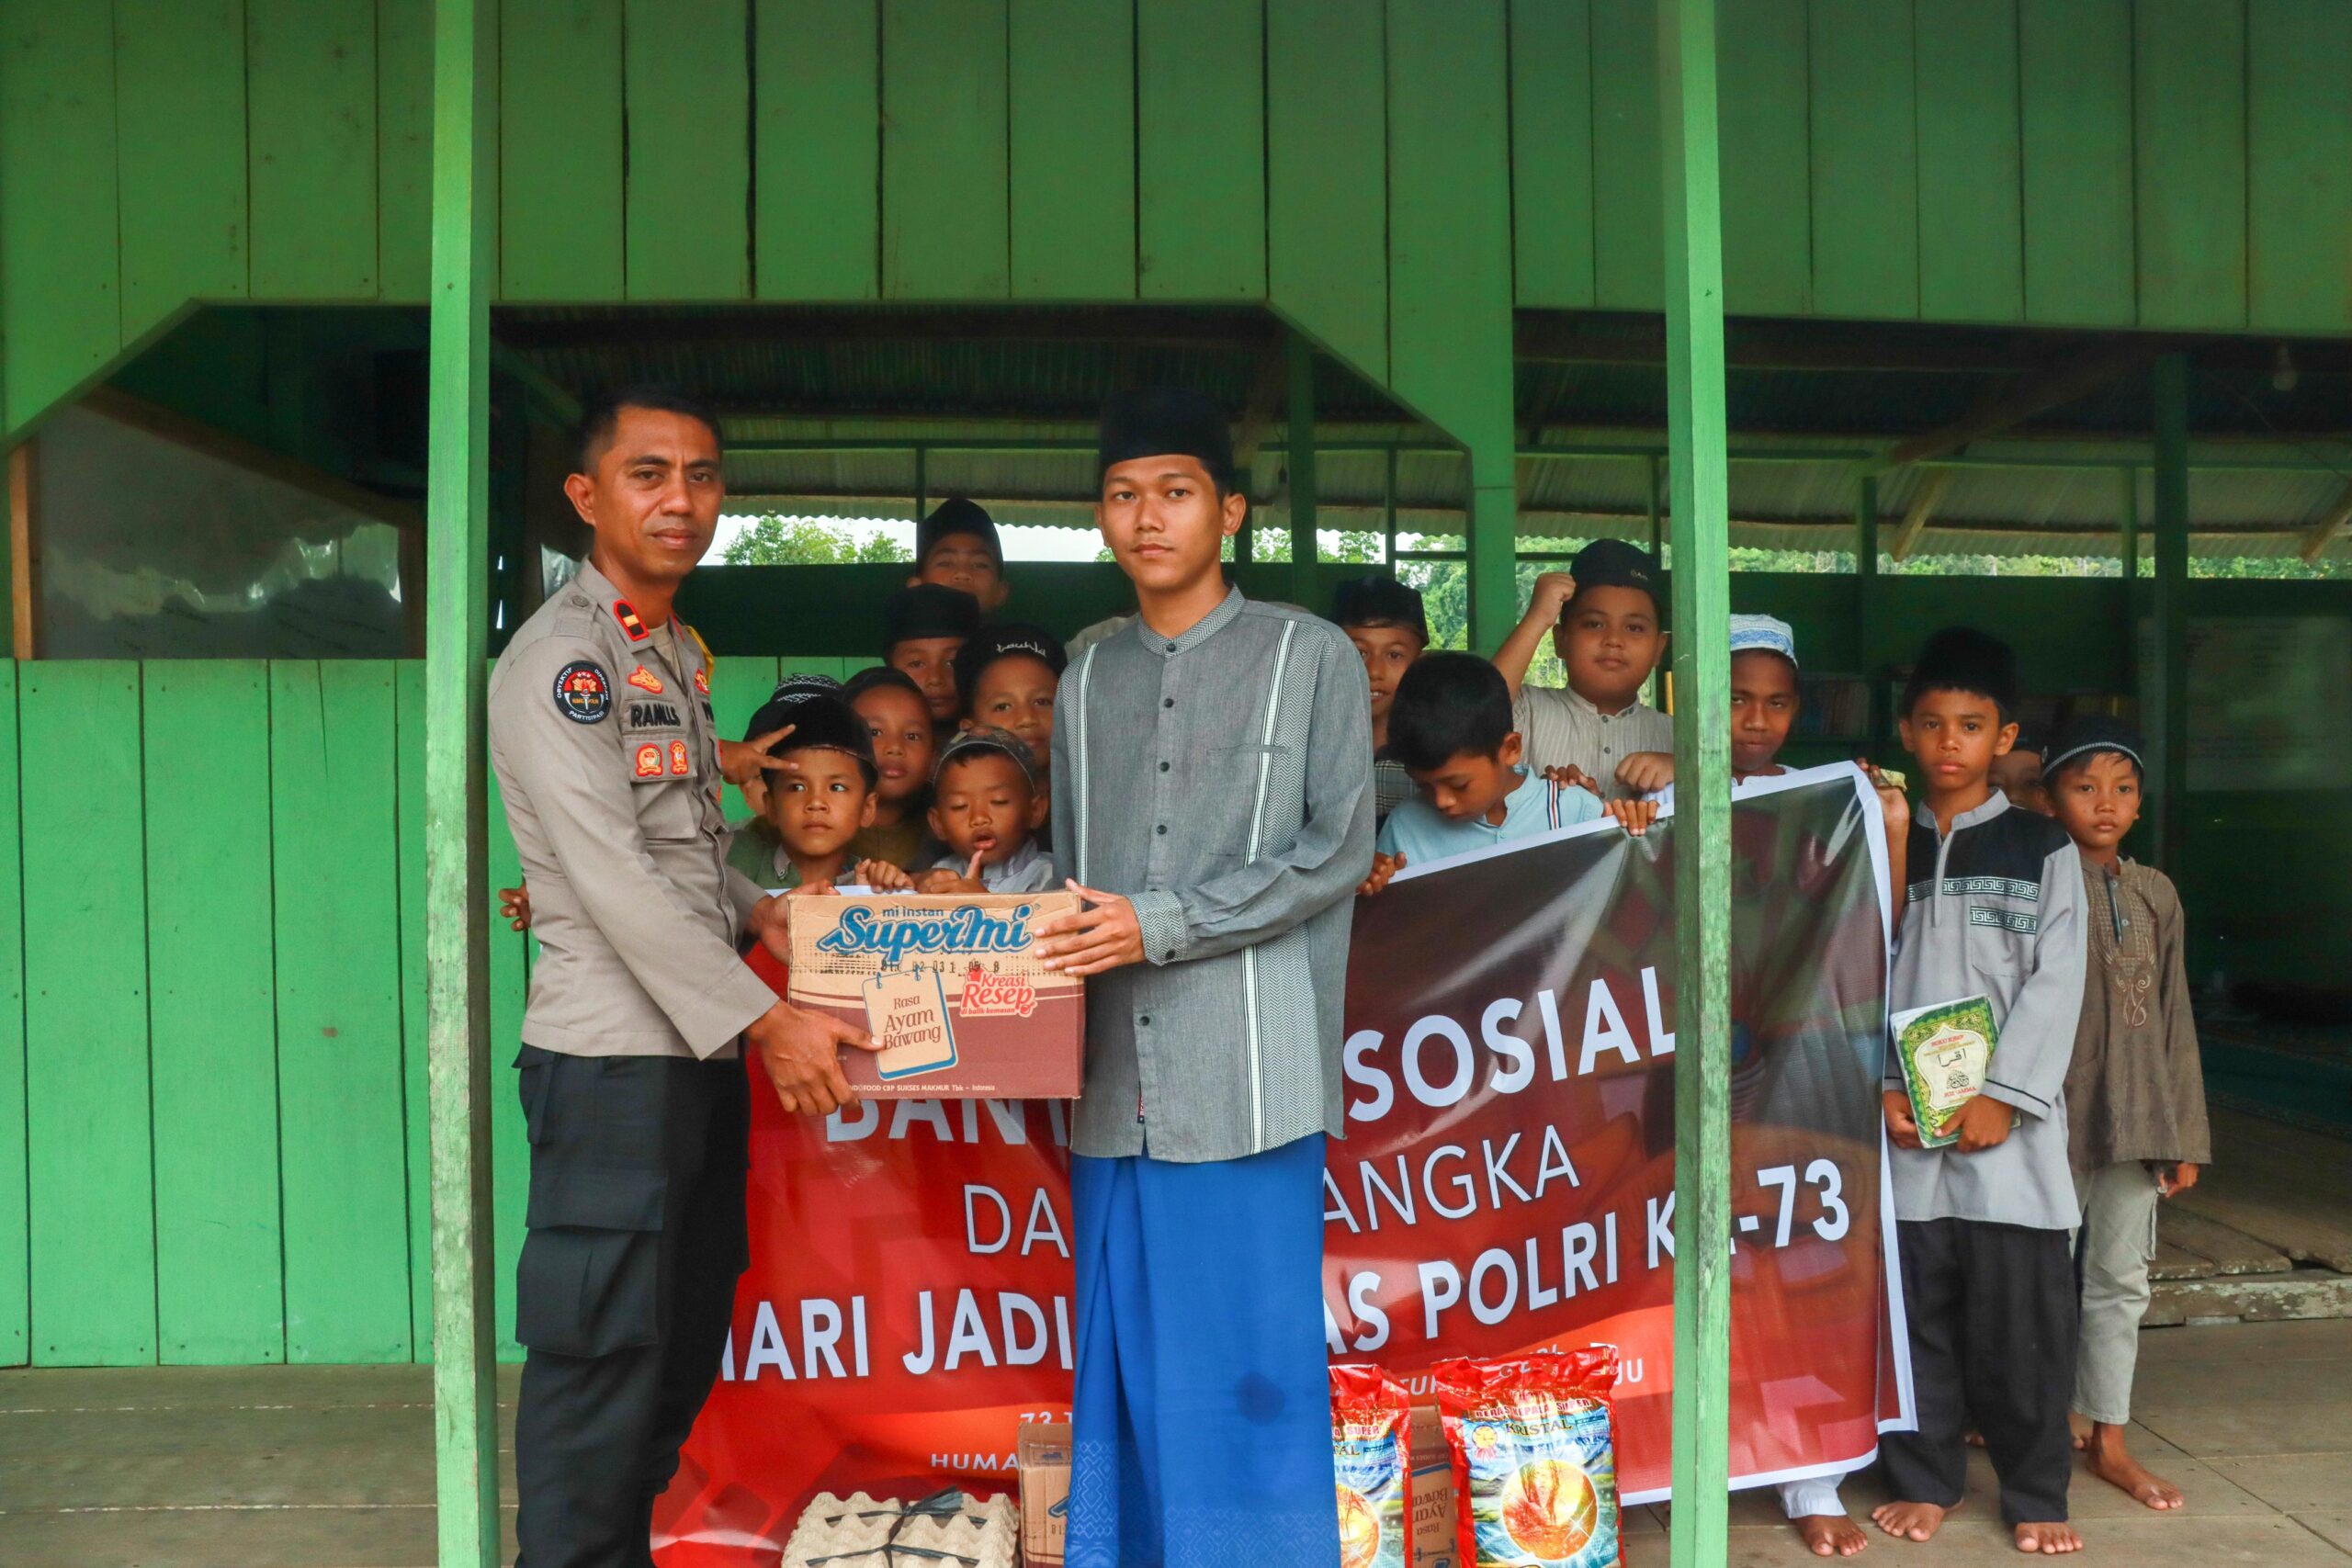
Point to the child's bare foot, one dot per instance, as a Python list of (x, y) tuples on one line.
[(1911, 1521), (1831, 1535), (2048, 1539), (2080, 1425), (2112, 1464)]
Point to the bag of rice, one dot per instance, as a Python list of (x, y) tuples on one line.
[(1372, 1458), (1534, 1458)]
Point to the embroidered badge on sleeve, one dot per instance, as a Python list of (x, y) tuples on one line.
[(679, 762), (582, 694), (645, 680), (702, 682), (626, 615), (648, 760)]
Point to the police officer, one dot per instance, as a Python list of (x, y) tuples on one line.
[(634, 1095)]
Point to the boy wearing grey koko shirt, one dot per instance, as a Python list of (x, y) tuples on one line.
[(1993, 908)]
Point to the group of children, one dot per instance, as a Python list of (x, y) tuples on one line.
[(2026, 1244)]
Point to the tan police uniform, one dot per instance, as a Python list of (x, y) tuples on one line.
[(638, 1111)]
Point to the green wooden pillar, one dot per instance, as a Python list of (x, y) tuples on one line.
[(1702, 839), (2128, 526), (1301, 426), (2171, 717), (465, 202), (1493, 526), (1866, 608)]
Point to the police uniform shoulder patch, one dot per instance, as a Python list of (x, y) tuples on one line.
[(626, 615), (645, 680), (582, 693), (702, 682)]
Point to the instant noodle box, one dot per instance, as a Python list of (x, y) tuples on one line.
[(950, 986)]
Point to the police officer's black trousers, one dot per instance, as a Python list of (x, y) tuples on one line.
[(635, 1240), (1991, 1312)]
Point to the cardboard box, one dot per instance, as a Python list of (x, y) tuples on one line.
[(951, 986), (1435, 1544), (1043, 1452)]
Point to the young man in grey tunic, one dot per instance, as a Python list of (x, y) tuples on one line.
[(1213, 803)]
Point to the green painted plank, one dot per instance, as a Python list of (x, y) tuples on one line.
[(16, 1305), (1551, 152), (1865, 173), (1072, 150), (334, 834), (404, 150), (688, 82), (510, 1148), (310, 114), (179, 72), (1970, 216), (2075, 121), (61, 311), (1627, 215), (740, 682), (2189, 97), (559, 150), (1449, 260), (1767, 174), (817, 87), (1327, 173), (408, 791), (1200, 150), (2299, 166), (212, 1023), (945, 228), (87, 1134)]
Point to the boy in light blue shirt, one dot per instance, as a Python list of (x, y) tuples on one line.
[(1451, 727)]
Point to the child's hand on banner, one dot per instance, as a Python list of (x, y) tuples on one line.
[(1633, 816), (1646, 773), (944, 881), (1571, 777), (1382, 868), (1984, 1123), (882, 877), (1902, 1127), (1891, 801)]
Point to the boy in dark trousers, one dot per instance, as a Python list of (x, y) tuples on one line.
[(2135, 1094), (1993, 908)]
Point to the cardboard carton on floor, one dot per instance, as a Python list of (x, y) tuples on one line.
[(952, 987), (1043, 1452), (1435, 1544)]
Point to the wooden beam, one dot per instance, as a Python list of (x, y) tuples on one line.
[(211, 441), (24, 549), (457, 959), (1299, 426), (2322, 532), (1925, 499), (1699, 464), (2036, 395), (2170, 384)]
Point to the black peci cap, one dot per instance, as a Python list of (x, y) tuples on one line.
[(1377, 599), (1613, 563), (926, 610), (1007, 642), (2087, 736), (820, 721), (1162, 421), (985, 738), (952, 516)]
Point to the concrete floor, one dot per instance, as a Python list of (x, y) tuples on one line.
[(330, 1467)]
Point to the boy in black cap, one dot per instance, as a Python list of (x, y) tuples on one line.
[(957, 547), (922, 626), (819, 801), (1993, 911), (1602, 616), (1386, 621), (1213, 768), (2135, 1090), (1007, 677)]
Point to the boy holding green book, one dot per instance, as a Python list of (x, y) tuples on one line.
[(1991, 938)]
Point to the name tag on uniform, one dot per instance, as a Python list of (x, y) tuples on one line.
[(906, 1013)]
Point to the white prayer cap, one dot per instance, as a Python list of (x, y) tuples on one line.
[(1765, 634)]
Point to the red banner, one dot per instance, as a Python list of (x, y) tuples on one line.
[(1506, 1183)]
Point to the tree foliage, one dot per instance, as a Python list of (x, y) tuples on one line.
[(808, 541)]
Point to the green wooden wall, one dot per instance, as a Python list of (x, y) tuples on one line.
[(1393, 174), (211, 1011)]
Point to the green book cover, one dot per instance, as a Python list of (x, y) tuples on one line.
[(1946, 1050)]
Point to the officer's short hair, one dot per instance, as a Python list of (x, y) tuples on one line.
[(601, 415)]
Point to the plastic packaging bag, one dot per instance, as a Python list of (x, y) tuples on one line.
[(1534, 1458), (1372, 1456)]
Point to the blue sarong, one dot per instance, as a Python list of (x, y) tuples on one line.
[(1203, 1418)]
